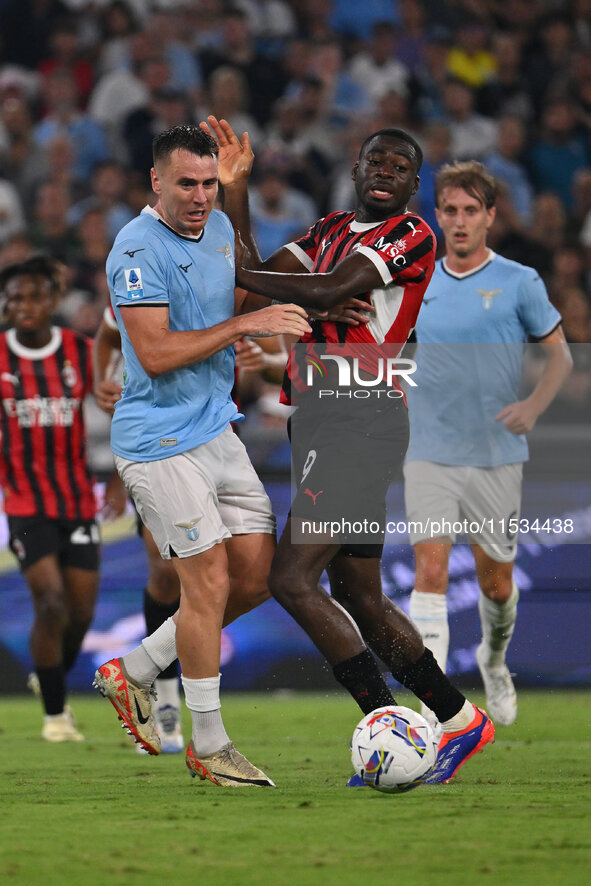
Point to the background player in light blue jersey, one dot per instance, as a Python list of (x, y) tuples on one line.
[(467, 443), (171, 278)]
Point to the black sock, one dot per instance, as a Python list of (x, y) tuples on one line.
[(361, 677), (53, 688), (72, 643), (425, 678), (156, 614)]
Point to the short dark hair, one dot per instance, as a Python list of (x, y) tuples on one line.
[(402, 135), (186, 136), (36, 266), (472, 177)]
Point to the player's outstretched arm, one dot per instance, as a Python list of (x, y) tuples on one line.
[(160, 349), (520, 417), (354, 276)]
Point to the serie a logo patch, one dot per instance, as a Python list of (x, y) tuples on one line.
[(133, 281)]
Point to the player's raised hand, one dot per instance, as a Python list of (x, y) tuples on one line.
[(235, 156), (276, 320)]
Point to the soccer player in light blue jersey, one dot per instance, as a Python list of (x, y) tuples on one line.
[(172, 279), (468, 425)]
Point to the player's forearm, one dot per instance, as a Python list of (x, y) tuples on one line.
[(106, 344), (237, 209), (558, 367), (176, 350), (320, 291)]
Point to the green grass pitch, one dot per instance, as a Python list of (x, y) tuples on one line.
[(99, 814)]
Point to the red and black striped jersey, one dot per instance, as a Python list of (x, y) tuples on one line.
[(43, 463), (403, 250)]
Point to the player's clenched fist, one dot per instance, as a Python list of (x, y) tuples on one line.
[(276, 320)]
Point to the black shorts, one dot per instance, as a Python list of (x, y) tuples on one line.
[(75, 542), (344, 459)]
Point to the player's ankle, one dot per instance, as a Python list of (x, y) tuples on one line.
[(461, 720)]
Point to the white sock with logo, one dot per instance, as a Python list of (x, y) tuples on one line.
[(498, 623), (202, 697), (429, 612)]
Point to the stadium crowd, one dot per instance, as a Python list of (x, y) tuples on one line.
[(86, 84)]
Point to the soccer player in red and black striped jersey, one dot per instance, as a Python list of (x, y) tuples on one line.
[(45, 374), (383, 255)]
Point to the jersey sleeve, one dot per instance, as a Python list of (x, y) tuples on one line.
[(137, 276), (402, 250), (538, 315), (306, 248)]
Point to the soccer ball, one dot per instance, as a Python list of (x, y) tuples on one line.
[(393, 749)]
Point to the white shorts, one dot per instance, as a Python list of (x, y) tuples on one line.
[(443, 501), (194, 500)]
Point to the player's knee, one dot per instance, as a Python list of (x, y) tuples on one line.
[(50, 609), (496, 587)]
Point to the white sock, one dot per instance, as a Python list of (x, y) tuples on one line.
[(429, 612), (202, 697), (461, 720), (167, 689), (140, 667), (161, 645), (498, 623)]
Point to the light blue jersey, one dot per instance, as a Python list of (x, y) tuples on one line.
[(150, 264), (472, 329)]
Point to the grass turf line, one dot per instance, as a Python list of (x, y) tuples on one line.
[(99, 814)]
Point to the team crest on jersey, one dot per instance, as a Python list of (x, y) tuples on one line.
[(11, 378), (487, 296), (227, 250), (133, 282), (69, 375)]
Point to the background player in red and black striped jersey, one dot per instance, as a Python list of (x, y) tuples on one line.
[(45, 374), (385, 256)]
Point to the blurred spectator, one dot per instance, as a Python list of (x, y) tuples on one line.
[(510, 238), (393, 109), (278, 212), (429, 78), (272, 22), (165, 27), (505, 164), (548, 59), (108, 190), (26, 26), (238, 49), (64, 118), (411, 42), (470, 59), (229, 97), (50, 230), (568, 270), (166, 107), (66, 54), (355, 22), (117, 25), (204, 21), (341, 196), (472, 135), (299, 139), (15, 250), (91, 251), (342, 97), (506, 92), (314, 19), (375, 68), (559, 150), (12, 218), (435, 142), (117, 93), (21, 158)]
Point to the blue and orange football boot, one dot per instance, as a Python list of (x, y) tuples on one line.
[(456, 748)]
